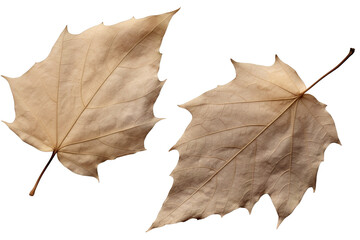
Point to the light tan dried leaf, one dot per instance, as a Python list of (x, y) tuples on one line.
[(259, 134), (92, 98)]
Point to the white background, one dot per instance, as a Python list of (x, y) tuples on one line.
[(311, 36)]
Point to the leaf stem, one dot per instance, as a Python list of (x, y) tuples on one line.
[(32, 192), (352, 50)]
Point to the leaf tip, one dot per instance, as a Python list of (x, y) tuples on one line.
[(7, 124), (66, 30), (151, 227), (277, 58), (184, 106), (158, 119), (5, 77), (162, 82), (249, 210), (175, 11), (281, 219), (171, 13)]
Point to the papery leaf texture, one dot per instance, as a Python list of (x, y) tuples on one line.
[(92, 98), (259, 134)]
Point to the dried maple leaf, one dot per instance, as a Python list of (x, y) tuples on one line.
[(92, 98), (259, 134)]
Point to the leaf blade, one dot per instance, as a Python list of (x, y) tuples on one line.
[(92, 98), (258, 161)]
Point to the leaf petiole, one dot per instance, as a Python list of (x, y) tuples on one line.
[(32, 192), (352, 50)]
